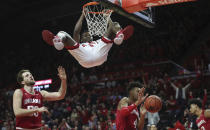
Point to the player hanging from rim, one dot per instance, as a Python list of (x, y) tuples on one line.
[(127, 113), (87, 52), (28, 103), (203, 115)]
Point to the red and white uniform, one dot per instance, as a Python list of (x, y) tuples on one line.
[(30, 101), (91, 54), (203, 123), (127, 118)]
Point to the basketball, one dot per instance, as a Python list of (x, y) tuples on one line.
[(153, 104)]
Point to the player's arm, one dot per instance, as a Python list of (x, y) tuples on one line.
[(78, 27), (143, 112), (53, 96), (17, 103)]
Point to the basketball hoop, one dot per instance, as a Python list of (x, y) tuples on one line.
[(97, 17)]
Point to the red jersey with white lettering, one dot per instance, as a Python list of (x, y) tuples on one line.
[(127, 122), (30, 101), (203, 123)]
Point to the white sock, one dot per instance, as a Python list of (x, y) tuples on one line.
[(58, 41), (58, 45), (119, 39)]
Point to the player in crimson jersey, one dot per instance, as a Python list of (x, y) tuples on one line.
[(203, 120), (28, 103), (127, 113)]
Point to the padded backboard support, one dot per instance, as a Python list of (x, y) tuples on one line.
[(144, 18)]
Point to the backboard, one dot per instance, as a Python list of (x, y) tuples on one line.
[(145, 18)]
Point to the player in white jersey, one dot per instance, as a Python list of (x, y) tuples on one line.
[(87, 52)]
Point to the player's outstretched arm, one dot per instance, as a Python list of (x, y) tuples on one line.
[(78, 27), (17, 103), (143, 112), (53, 96)]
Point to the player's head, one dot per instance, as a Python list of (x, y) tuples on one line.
[(24, 77), (86, 37), (195, 105), (133, 90)]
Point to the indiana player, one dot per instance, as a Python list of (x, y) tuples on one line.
[(203, 116), (28, 103), (87, 52), (127, 113)]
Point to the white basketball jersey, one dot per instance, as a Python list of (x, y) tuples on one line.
[(91, 54)]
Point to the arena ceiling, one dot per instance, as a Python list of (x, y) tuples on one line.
[(39, 10)]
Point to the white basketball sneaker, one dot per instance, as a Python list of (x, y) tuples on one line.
[(58, 44)]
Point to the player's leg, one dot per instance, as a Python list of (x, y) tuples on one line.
[(66, 39), (61, 40)]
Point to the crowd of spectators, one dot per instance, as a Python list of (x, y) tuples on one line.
[(92, 105)]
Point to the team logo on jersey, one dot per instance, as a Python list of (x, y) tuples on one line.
[(32, 100)]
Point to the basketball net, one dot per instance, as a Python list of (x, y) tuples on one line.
[(97, 17)]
